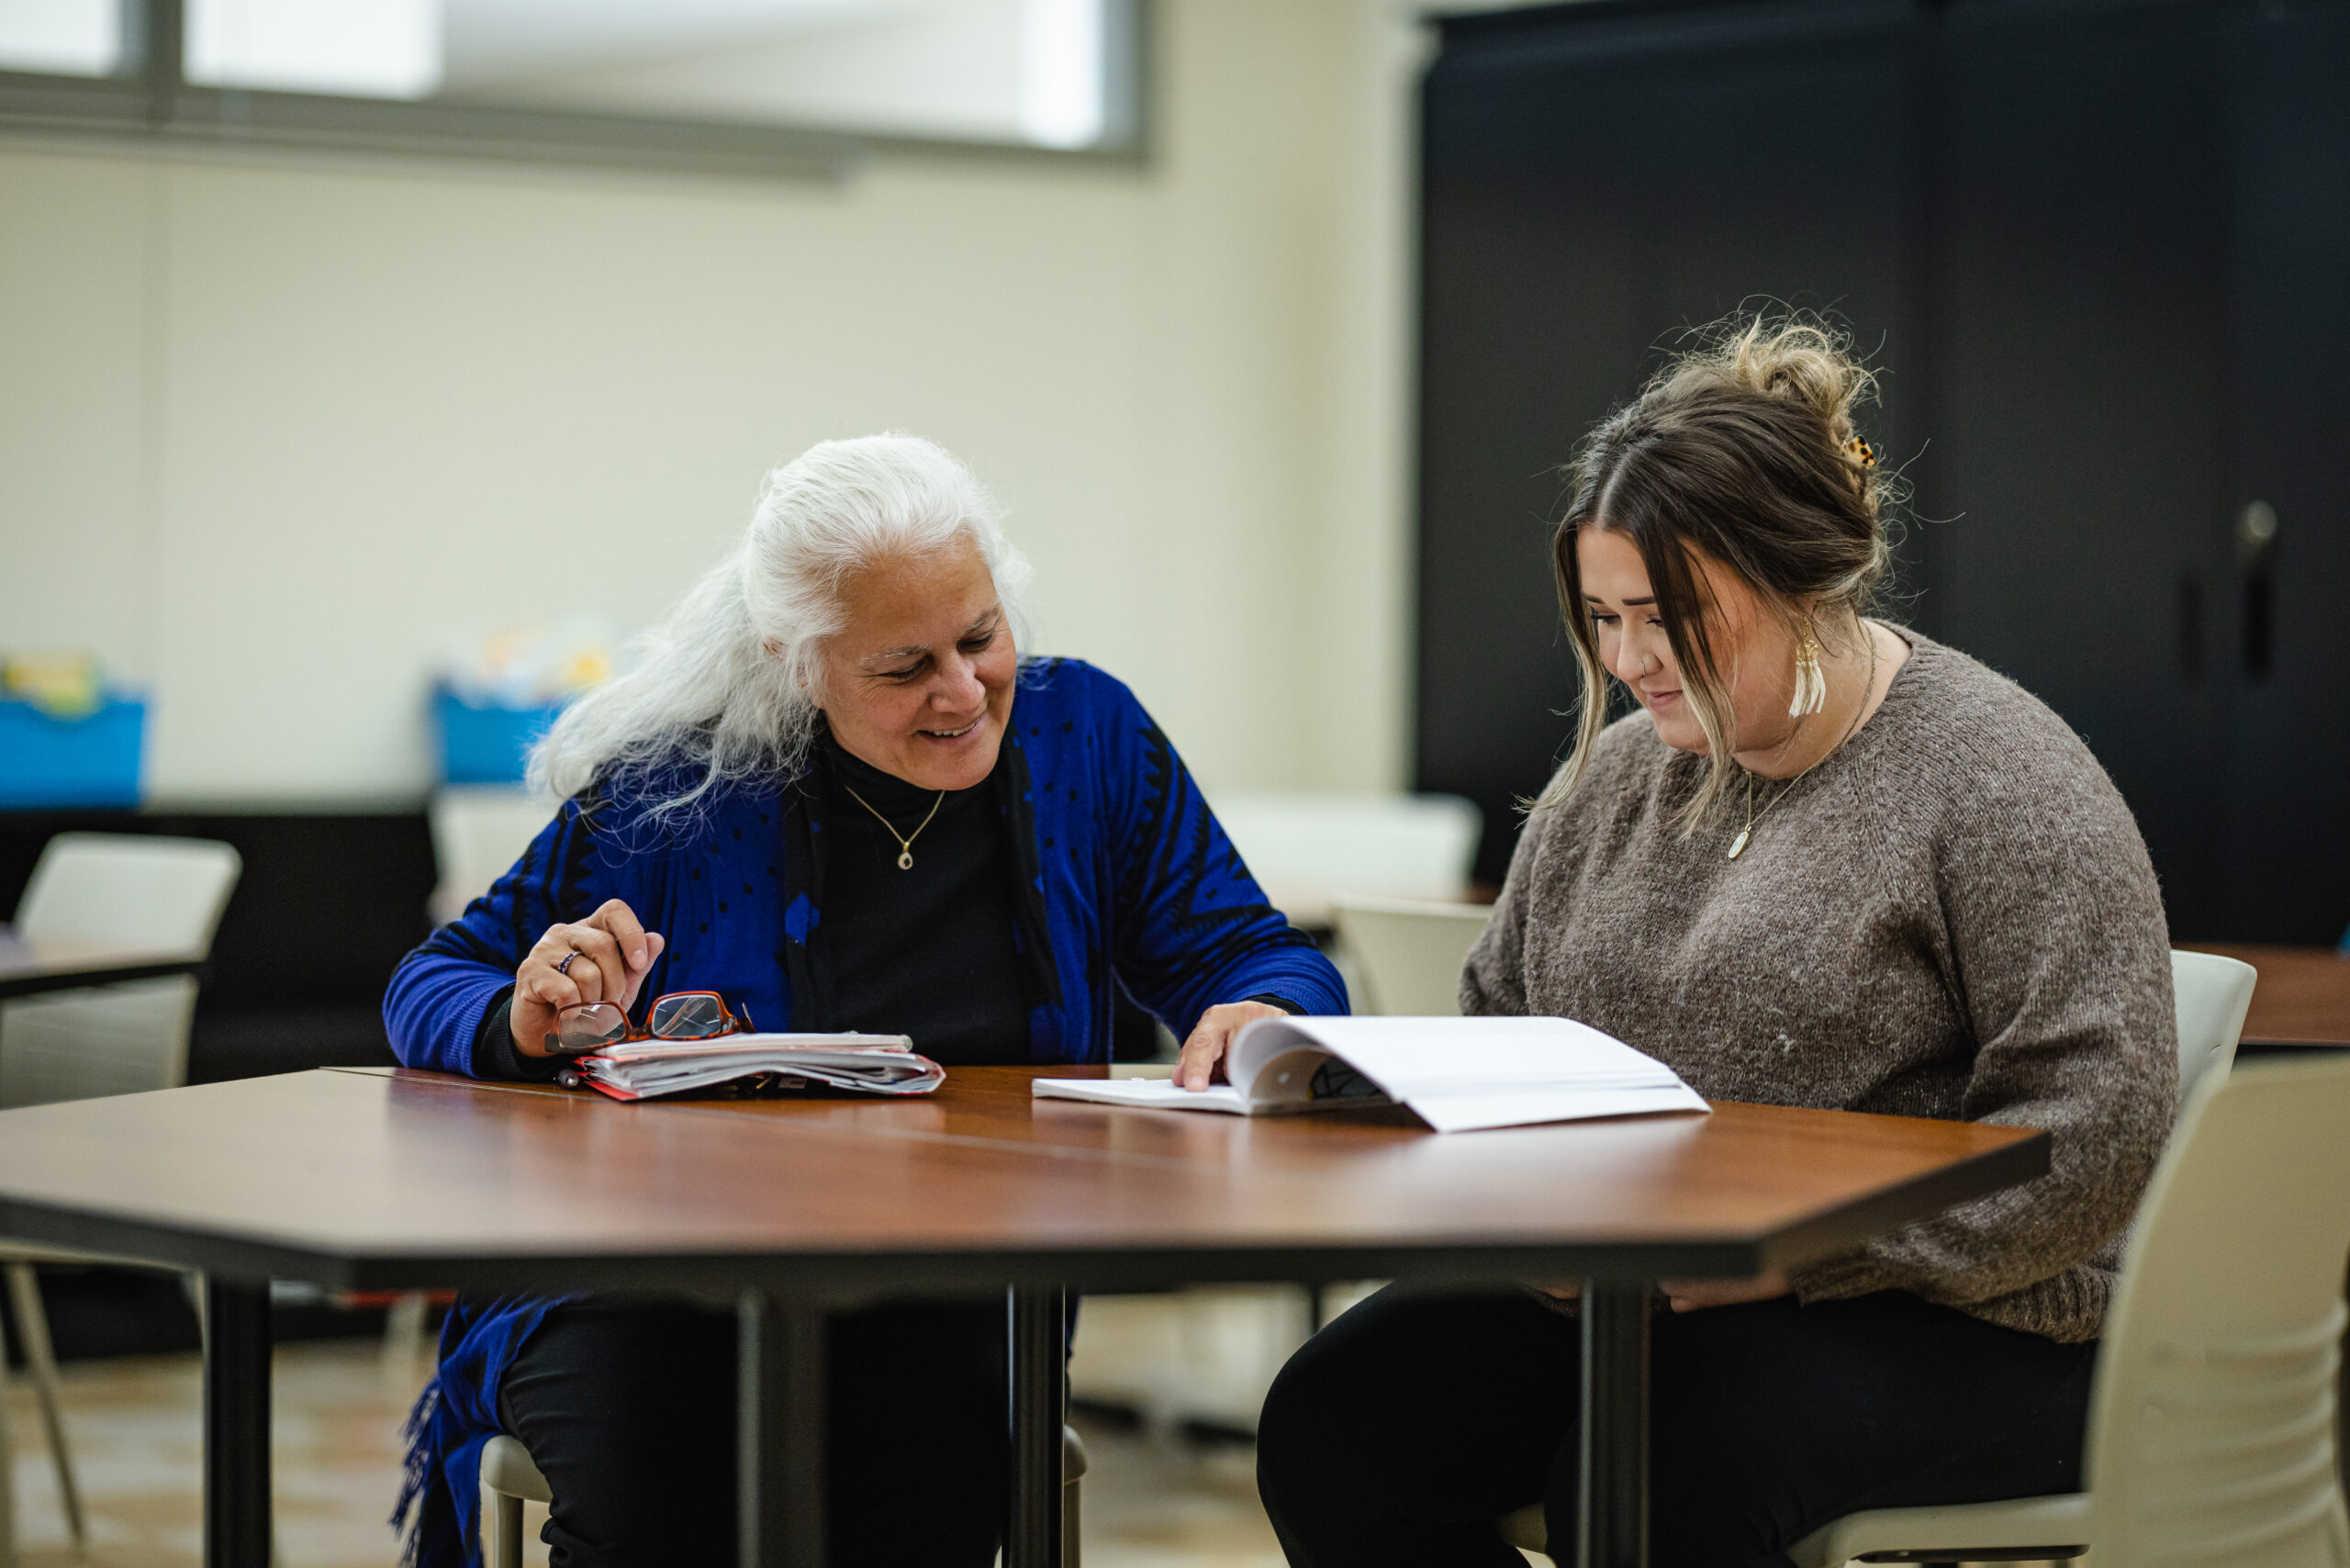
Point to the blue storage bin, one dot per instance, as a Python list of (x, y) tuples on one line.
[(485, 743), (89, 761)]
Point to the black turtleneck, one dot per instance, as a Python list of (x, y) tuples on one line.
[(927, 951)]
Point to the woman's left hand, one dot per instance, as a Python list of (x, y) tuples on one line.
[(1694, 1295), (1201, 1062)]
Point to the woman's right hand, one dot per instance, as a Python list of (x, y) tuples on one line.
[(615, 953)]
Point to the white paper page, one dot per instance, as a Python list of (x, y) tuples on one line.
[(1470, 1112), (729, 1044), (1152, 1093), (1462, 1073)]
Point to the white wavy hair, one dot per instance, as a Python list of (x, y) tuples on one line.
[(724, 691)]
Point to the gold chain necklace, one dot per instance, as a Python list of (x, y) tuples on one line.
[(1737, 844), (905, 840)]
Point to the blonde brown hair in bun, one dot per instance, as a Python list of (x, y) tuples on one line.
[(1744, 448)]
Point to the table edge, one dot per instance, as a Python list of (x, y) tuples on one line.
[(1806, 1239)]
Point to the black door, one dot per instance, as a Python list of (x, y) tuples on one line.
[(2079, 300), (2139, 311), (2281, 587), (1594, 186)]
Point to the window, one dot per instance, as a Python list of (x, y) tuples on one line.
[(783, 83), (69, 37)]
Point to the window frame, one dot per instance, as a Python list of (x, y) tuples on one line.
[(148, 97)]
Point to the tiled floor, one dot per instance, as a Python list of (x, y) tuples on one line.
[(134, 1425), (1149, 1502)]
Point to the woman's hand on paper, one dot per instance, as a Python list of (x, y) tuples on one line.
[(1202, 1061), (614, 955)]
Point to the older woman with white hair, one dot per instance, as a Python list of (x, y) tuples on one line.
[(832, 792)]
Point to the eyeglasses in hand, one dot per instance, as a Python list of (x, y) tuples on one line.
[(679, 1015)]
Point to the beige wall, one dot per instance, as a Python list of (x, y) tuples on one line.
[(272, 427)]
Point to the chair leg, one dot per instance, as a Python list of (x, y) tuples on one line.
[(1070, 1513), (504, 1548), (41, 1360), (510, 1531), (404, 1340), (7, 1482)]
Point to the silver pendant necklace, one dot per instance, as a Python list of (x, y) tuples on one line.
[(905, 840), (1746, 833)]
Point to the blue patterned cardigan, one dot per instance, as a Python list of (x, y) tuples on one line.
[(1127, 879)]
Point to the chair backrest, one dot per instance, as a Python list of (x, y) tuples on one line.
[(2213, 995), (2211, 1430), (479, 832), (1408, 952), (130, 888), (1306, 850), (121, 1039)]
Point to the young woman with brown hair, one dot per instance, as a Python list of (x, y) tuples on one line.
[(1827, 862)]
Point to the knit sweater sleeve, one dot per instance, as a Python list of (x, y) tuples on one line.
[(2055, 946)]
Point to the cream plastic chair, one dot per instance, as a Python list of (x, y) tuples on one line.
[(119, 1039), (509, 1480), (479, 832), (2211, 996), (1306, 850), (1408, 952), (2211, 1429)]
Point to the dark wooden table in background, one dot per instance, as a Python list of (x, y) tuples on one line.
[(370, 1180), (30, 965), (2302, 998)]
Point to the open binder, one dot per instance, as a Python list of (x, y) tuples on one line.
[(759, 1064), (1456, 1074)]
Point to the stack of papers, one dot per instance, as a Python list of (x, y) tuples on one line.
[(1456, 1074), (759, 1064)]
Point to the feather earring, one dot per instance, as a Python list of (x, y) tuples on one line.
[(1811, 686)]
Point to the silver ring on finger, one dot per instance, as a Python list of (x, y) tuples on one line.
[(564, 967)]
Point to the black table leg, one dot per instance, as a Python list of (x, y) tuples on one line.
[(779, 1405), (1040, 1400), (1612, 1515), (236, 1423)]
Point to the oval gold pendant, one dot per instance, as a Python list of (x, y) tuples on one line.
[(1737, 844), (906, 860)]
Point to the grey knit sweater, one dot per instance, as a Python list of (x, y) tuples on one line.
[(1952, 915)]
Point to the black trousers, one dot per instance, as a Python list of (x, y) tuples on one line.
[(629, 1409), (1399, 1433)]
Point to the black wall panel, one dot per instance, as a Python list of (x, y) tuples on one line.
[(2080, 293), (2281, 626), (1586, 205), (2098, 250)]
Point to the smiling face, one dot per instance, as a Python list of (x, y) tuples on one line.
[(1754, 649), (919, 679)]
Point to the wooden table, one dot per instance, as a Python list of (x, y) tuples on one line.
[(379, 1178), (2303, 998), (33, 964)]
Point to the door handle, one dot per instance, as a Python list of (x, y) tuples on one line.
[(2255, 534)]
